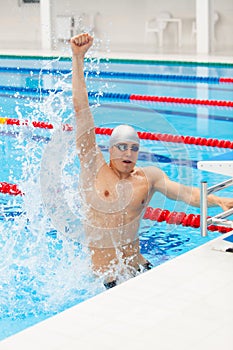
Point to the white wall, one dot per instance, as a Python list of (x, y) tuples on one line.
[(19, 25), (121, 22), (224, 28)]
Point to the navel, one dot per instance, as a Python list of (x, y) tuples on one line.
[(106, 193)]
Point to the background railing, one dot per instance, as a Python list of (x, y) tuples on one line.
[(219, 218)]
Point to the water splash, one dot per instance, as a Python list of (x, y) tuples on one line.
[(43, 271)]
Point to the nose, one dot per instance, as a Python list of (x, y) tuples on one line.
[(128, 152)]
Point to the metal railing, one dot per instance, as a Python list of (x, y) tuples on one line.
[(218, 219)]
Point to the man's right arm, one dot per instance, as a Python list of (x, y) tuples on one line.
[(86, 142), (80, 44)]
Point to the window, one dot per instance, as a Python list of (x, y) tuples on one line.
[(30, 1)]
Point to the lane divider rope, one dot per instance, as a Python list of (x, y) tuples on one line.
[(180, 218), (182, 100), (11, 189), (164, 62), (191, 140), (126, 97), (126, 61), (122, 75), (159, 99), (154, 214), (19, 122)]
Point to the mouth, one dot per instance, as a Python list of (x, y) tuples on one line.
[(127, 161)]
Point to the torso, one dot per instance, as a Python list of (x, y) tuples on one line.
[(114, 208)]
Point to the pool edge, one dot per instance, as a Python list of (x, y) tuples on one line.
[(114, 312)]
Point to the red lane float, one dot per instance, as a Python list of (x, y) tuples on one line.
[(182, 100), (36, 124), (11, 189), (190, 140), (154, 214), (225, 80), (180, 218)]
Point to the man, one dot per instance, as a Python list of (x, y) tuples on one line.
[(117, 194)]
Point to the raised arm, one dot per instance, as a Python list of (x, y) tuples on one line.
[(91, 158), (86, 142), (80, 44), (190, 195)]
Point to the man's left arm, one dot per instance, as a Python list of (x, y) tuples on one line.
[(190, 195)]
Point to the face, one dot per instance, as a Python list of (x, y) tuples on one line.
[(124, 155)]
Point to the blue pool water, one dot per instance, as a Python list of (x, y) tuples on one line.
[(43, 270)]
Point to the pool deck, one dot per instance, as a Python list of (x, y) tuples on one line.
[(185, 303), (226, 57)]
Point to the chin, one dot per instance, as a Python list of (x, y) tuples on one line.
[(123, 167), (127, 168)]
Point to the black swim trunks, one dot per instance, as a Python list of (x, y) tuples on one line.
[(111, 284), (144, 267)]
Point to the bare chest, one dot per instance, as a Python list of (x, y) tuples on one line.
[(132, 193)]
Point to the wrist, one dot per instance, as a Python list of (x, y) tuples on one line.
[(214, 200), (78, 57), (219, 201)]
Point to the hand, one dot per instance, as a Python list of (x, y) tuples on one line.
[(81, 43), (226, 203)]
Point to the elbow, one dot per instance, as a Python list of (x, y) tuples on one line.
[(197, 201), (192, 198)]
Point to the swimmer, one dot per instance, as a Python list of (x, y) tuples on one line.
[(116, 195)]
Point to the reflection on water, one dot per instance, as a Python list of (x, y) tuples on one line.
[(44, 265)]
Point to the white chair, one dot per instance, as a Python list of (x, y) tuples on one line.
[(64, 27), (158, 25), (215, 21), (91, 23), (85, 22), (79, 23)]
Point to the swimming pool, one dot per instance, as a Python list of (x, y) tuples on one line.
[(44, 271)]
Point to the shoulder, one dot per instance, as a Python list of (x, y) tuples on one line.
[(93, 160), (152, 171), (153, 174)]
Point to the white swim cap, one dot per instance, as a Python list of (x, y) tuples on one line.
[(123, 133)]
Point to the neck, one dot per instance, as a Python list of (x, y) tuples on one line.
[(119, 174)]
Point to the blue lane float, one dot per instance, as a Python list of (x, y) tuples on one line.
[(122, 75), (128, 97)]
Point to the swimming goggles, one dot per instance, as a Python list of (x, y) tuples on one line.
[(124, 147)]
